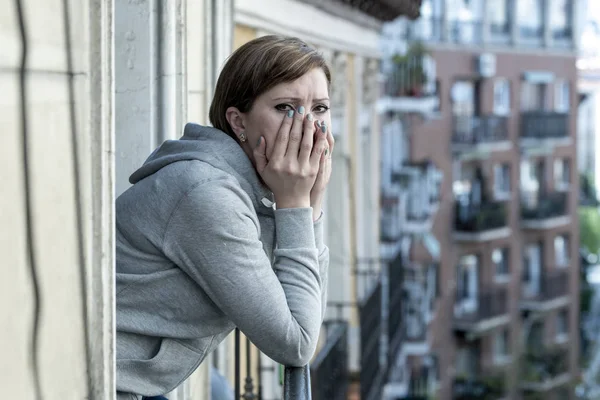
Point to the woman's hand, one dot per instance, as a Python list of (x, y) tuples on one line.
[(293, 167), (324, 174)]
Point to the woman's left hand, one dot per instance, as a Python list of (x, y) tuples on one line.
[(318, 190)]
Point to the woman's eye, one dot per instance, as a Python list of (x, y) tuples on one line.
[(284, 107), (321, 109)]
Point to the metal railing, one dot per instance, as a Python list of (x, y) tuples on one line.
[(466, 32), (408, 77), (329, 370), (395, 292), (426, 29), (390, 219), (296, 381), (539, 205), (544, 125), (486, 386), (552, 285), (474, 218), (472, 130), (371, 373), (545, 364), (490, 302), (249, 387)]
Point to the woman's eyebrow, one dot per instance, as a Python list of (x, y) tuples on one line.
[(299, 99)]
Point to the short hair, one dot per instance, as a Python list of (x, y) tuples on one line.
[(258, 66)]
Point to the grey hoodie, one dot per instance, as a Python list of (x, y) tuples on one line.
[(200, 250)]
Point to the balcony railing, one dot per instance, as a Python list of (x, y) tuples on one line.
[(541, 368), (476, 218), (471, 130), (426, 29), (489, 386), (371, 373), (550, 286), (539, 206), (466, 32), (489, 303), (395, 283), (391, 228), (544, 125), (329, 370)]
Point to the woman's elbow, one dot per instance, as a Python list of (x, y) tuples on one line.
[(300, 353)]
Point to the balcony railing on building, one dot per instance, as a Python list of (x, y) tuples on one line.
[(409, 84), (544, 369), (474, 313), (466, 32), (329, 369), (539, 292), (380, 315), (539, 205), (472, 131), (486, 386), (479, 217), (542, 125)]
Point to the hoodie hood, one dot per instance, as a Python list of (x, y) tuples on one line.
[(215, 147)]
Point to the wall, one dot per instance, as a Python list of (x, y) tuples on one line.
[(57, 203)]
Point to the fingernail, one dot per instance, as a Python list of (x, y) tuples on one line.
[(259, 140), (301, 110), (323, 127), (309, 117), (290, 113)]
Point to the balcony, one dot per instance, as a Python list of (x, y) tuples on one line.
[(544, 370), (487, 310), (329, 370), (480, 222), (489, 385), (409, 85), (466, 32), (544, 210), (372, 375), (544, 126), (482, 133), (547, 292)]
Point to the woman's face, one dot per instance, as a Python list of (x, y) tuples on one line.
[(310, 91)]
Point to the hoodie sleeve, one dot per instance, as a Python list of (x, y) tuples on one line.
[(323, 262), (213, 235)]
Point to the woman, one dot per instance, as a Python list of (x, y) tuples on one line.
[(222, 228)]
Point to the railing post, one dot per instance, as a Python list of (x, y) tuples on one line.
[(249, 385), (296, 383), (237, 364)]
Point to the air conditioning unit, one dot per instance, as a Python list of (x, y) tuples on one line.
[(486, 65)]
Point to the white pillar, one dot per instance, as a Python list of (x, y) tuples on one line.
[(149, 80)]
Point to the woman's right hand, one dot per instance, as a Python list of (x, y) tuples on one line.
[(292, 169)]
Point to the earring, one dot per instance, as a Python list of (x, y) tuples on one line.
[(243, 137)]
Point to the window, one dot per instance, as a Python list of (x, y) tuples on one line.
[(499, 16), (467, 284), (561, 12), (501, 346), (502, 97), (533, 96), (562, 174), (532, 270), (562, 325), (561, 250), (561, 96), (500, 258), (502, 181), (530, 16)]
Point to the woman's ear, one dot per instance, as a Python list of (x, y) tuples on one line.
[(235, 119)]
